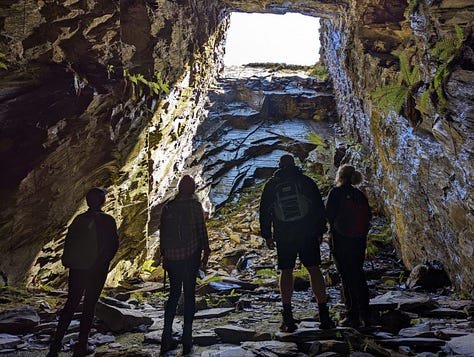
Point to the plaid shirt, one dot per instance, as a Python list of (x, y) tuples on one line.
[(183, 217)]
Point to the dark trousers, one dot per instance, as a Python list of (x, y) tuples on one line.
[(87, 283), (182, 275), (349, 255)]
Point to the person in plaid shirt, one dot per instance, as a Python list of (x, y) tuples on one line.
[(184, 247)]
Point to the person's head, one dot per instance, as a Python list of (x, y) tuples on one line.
[(347, 174), (286, 160), (187, 185), (95, 197)]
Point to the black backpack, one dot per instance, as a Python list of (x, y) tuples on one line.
[(81, 249), (177, 224), (290, 203), (353, 215)]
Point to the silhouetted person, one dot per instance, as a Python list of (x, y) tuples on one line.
[(184, 247), (348, 213), (291, 204), (90, 245)]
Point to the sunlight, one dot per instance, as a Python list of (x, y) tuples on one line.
[(290, 38)]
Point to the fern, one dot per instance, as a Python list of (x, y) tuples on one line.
[(394, 96), (390, 97), (3, 65)]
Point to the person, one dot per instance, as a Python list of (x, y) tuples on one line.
[(184, 247), (349, 225), (298, 231), (88, 268)]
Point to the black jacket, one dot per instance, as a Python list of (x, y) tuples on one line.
[(313, 225), (334, 198)]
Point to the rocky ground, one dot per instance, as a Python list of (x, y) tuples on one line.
[(239, 309)]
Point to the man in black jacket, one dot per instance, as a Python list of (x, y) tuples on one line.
[(291, 204), (88, 265)]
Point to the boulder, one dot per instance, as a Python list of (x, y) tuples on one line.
[(462, 345), (19, 320), (119, 319)]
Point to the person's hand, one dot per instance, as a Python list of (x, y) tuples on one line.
[(320, 239), (270, 243)]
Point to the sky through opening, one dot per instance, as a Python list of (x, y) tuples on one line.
[(290, 38)]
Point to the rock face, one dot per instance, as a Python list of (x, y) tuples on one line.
[(82, 105), (422, 163)]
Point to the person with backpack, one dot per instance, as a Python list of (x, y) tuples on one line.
[(184, 247), (348, 213), (292, 217), (91, 243)]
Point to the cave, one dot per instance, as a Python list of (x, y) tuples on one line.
[(111, 94)]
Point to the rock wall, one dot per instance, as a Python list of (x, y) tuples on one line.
[(81, 106), (421, 165)]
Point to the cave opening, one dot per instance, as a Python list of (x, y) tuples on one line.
[(272, 38)]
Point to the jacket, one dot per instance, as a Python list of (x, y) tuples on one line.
[(182, 228), (313, 224)]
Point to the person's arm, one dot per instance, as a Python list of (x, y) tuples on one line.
[(265, 216), (204, 237), (331, 207), (318, 206)]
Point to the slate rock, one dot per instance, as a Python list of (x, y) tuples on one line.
[(271, 348), (19, 320), (236, 334), (429, 276), (8, 341), (205, 338), (121, 320), (307, 334), (462, 345), (403, 300), (444, 312), (213, 313), (414, 342)]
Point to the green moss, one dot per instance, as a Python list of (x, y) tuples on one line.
[(269, 273), (319, 71)]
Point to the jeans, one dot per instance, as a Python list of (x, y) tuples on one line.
[(182, 275)]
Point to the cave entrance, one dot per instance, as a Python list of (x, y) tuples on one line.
[(270, 38)]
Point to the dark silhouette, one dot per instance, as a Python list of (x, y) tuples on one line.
[(349, 241), (87, 274), (291, 203), (183, 238)]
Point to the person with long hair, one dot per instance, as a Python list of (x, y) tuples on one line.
[(348, 214)]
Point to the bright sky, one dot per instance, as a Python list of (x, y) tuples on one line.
[(290, 38)]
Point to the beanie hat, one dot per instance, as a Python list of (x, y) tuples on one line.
[(286, 160), (95, 197), (187, 185)]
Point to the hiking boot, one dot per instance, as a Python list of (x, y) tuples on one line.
[(289, 323), (80, 350), (325, 320), (167, 346), (349, 322)]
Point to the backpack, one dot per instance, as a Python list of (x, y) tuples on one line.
[(81, 246), (177, 224), (353, 215), (290, 203)]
